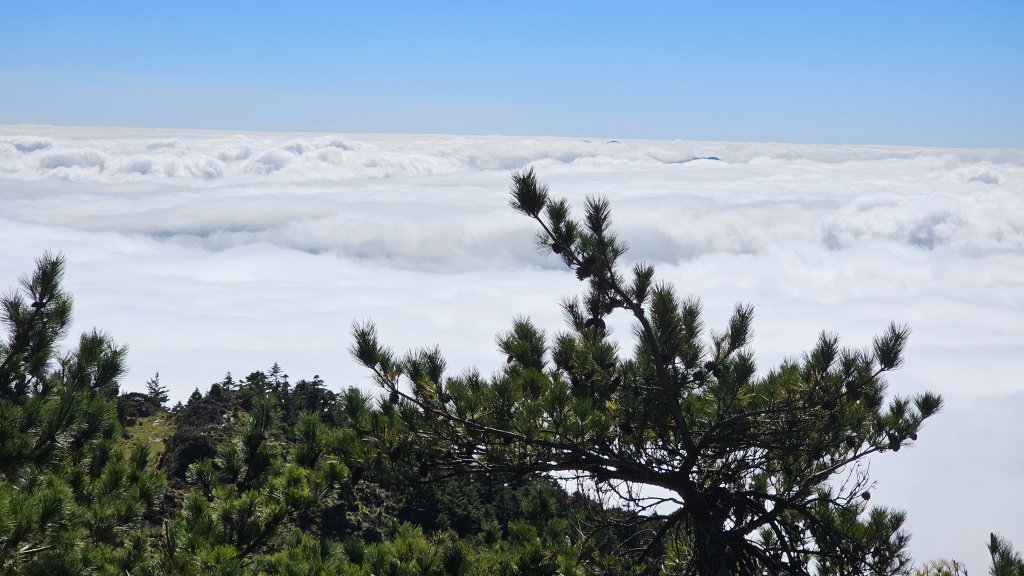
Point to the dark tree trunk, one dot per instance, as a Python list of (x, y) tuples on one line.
[(712, 554)]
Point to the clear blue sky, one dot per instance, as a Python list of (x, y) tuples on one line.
[(890, 72)]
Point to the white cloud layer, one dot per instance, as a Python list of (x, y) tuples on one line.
[(209, 251)]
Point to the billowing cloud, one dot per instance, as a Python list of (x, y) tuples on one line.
[(208, 252)]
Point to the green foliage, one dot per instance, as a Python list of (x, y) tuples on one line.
[(341, 491), (763, 470), (685, 459), (1005, 560), (156, 391), (251, 490), (71, 494), (199, 427)]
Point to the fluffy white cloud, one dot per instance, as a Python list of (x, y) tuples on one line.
[(210, 252)]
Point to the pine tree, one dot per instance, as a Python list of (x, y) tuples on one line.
[(738, 473), (1005, 560), (156, 391), (72, 495), (246, 496)]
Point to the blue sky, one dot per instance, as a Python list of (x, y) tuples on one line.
[(930, 73)]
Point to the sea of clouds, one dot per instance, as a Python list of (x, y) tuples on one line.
[(210, 252)]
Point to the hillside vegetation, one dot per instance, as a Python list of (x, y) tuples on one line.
[(577, 457)]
